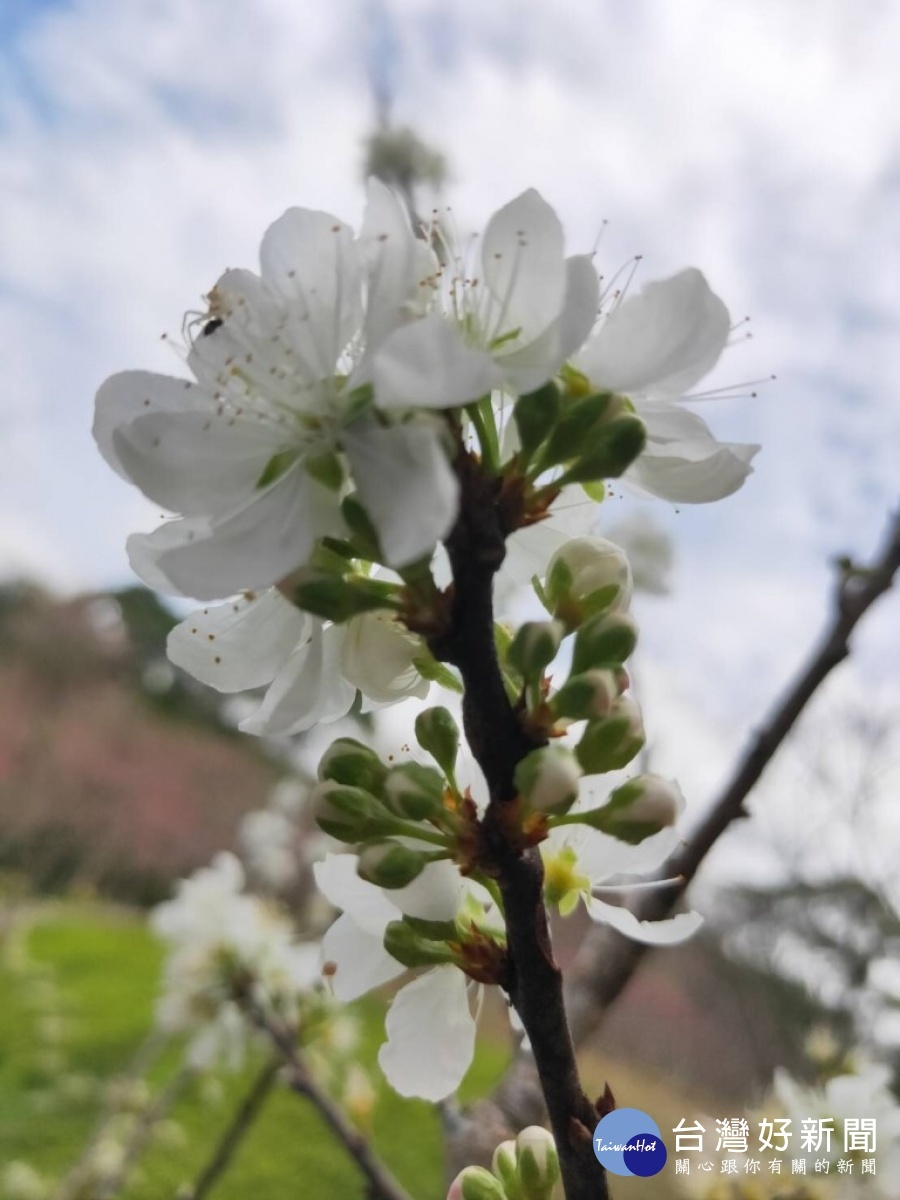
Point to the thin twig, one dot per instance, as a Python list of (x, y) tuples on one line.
[(238, 1127), (382, 1184)]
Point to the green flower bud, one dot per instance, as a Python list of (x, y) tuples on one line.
[(638, 808), (504, 1164), (587, 697), (413, 949), (579, 426), (476, 1183), (337, 599), (349, 762), (609, 452), (538, 1163), (438, 735), (414, 791), (348, 813), (389, 865), (611, 743), (587, 576), (548, 779), (534, 647), (535, 415), (604, 641)]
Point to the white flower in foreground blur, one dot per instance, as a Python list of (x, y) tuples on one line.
[(256, 455), (512, 320), (581, 863), (311, 669), (218, 934), (652, 348), (430, 1026)]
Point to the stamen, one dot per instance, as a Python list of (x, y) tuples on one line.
[(644, 886)]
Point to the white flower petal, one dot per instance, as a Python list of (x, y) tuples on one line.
[(308, 690), (258, 544), (660, 342), (523, 267), (426, 365), (435, 895), (356, 960), (239, 645), (406, 483), (378, 658), (309, 259), (131, 394), (652, 933), (392, 263), (676, 473), (530, 366), (431, 1035), (196, 463), (363, 902), (602, 857)]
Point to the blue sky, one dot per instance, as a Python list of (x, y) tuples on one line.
[(145, 146)]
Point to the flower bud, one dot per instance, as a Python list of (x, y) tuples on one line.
[(534, 647), (438, 735), (414, 949), (604, 641), (389, 865), (580, 426), (349, 762), (611, 743), (548, 779), (504, 1164), (585, 576), (587, 697), (538, 1163), (638, 808), (336, 598), (609, 451), (476, 1183), (414, 791), (347, 813)]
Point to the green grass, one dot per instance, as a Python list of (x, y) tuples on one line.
[(77, 986)]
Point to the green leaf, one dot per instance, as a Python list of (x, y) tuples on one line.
[(535, 415)]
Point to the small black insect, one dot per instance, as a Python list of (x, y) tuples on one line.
[(211, 326)]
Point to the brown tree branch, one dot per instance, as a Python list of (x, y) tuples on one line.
[(476, 547)]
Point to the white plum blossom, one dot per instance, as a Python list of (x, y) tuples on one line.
[(430, 1026), (509, 321), (581, 863), (652, 348), (216, 933), (255, 456), (311, 669)]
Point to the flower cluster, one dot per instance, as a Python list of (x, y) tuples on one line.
[(228, 950), (375, 423), (314, 446)]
